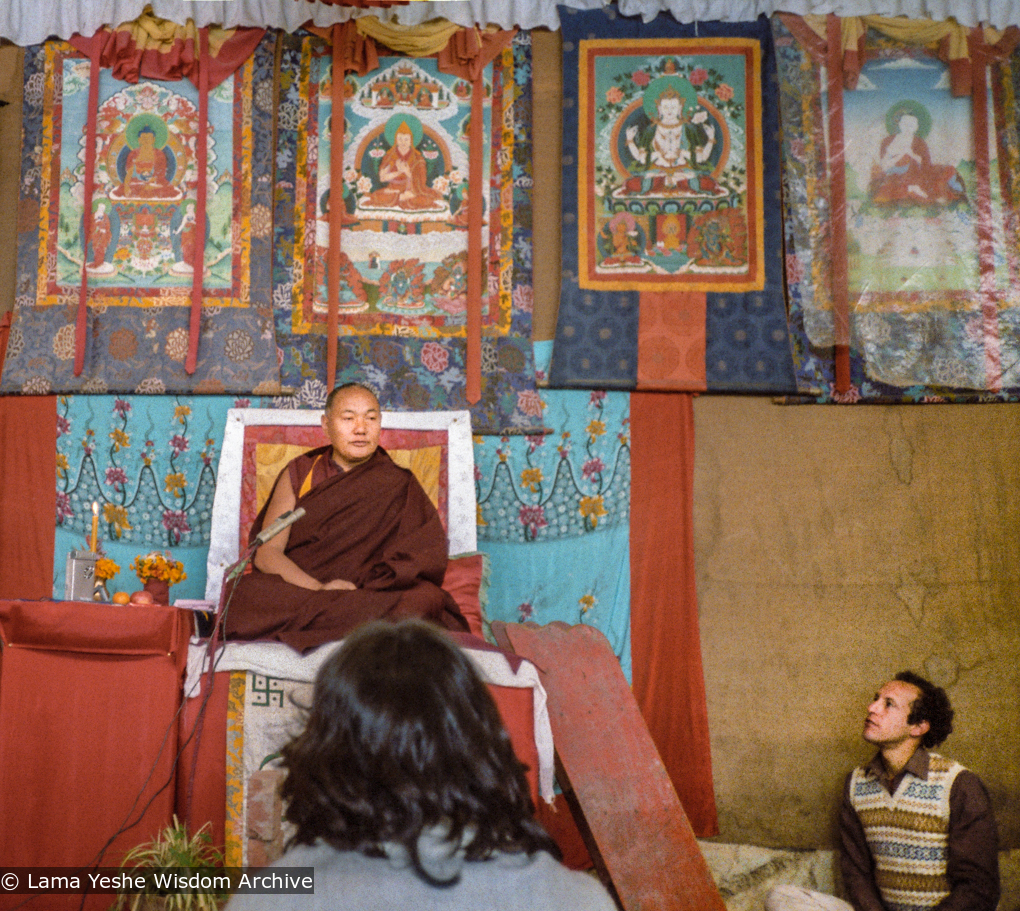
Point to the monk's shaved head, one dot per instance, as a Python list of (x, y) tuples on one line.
[(352, 421), (340, 391)]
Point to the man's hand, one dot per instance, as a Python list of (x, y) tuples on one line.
[(341, 585)]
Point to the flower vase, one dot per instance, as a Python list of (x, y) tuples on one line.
[(159, 589)]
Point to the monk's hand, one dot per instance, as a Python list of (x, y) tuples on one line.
[(341, 585)]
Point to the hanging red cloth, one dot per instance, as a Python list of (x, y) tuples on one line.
[(352, 52), (5, 333), (28, 491), (153, 48), (668, 678), (466, 55)]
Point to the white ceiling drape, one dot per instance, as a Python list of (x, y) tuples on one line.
[(32, 21)]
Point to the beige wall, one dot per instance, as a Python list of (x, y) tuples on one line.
[(836, 546), (547, 104)]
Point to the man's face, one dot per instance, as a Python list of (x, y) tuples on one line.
[(353, 424), (886, 724)]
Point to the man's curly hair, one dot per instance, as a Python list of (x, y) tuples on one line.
[(932, 705)]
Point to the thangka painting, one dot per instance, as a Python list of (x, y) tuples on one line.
[(672, 236), (145, 239), (670, 165), (911, 220), (404, 241)]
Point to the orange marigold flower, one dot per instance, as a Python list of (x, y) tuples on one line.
[(531, 478)]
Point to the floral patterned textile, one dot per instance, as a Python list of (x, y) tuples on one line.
[(554, 516), (553, 510), (150, 463), (404, 239), (917, 230), (143, 243)]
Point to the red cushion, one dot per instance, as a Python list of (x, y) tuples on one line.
[(466, 580)]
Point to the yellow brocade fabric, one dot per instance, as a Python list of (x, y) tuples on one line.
[(913, 31), (272, 458), (413, 40), (235, 770), (151, 33)]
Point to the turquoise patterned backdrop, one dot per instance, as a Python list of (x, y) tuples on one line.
[(554, 515), (150, 463), (553, 509)]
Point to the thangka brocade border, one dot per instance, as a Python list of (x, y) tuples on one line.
[(137, 336)]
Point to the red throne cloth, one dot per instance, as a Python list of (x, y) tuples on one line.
[(89, 695), (372, 525)]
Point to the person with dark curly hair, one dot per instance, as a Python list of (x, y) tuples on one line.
[(917, 831), (405, 793)]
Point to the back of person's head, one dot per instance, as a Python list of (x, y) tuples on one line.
[(932, 705), (404, 750)]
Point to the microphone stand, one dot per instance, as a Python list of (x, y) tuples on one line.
[(236, 569), (231, 576)]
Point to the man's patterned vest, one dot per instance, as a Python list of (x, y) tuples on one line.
[(908, 833)]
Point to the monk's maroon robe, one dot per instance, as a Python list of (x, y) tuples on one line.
[(372, 525)]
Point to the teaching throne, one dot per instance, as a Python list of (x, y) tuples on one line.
[(257, 684)]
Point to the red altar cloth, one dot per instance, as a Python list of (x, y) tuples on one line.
[(89, 695)]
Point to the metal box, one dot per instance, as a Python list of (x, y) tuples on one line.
[(80, 578)]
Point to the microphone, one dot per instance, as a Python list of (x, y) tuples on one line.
[(285, 521)]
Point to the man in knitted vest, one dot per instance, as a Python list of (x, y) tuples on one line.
[(917, 831)]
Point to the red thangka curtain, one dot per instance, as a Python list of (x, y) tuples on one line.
[(28, 492), (668, 678)]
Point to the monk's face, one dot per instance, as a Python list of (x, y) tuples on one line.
[(353, 424)]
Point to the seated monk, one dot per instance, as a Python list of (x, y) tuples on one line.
[(370, 545)]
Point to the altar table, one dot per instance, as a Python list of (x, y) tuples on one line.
[(89, 699)]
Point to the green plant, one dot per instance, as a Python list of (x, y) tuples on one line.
[(172, 855)]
